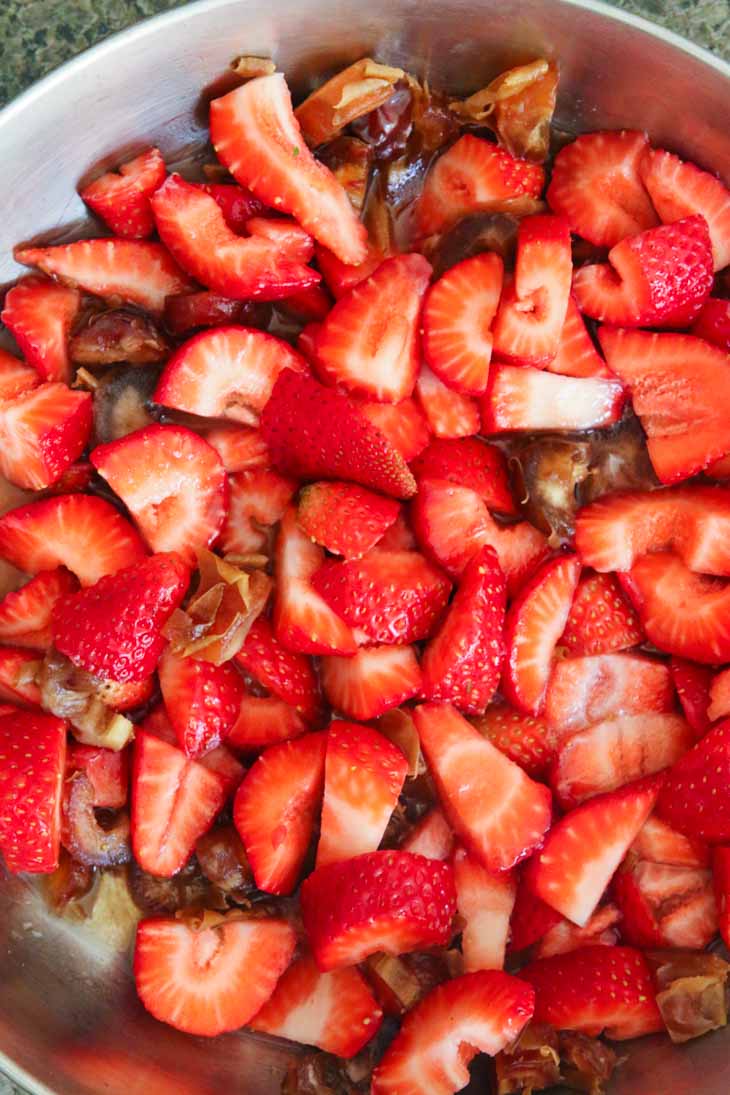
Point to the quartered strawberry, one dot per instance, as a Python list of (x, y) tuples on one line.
[(448, 413), (257, 137), (210, 980), (263, 721), (173, 484), (122, 199), (596, 184), (473, 175), (39, 314), (202, 700), (314, 432), (713, 323), (496, 810), (403, 424), (79, 531), (25, 615), (257, 499), (137, 271), (695, 797), (238, 204), (521, 398), (42, 431), (392, 902), (676, 383), (526, 739), (457, 318), (364, 775), (15, 376), (666, 906), (577, 355), (114, 628), (596, 989), (240, 448), (601, 619), (220, 760), (535, 621), (478, 1012), (32, 769), (692, 685), (469, 462), (372, 682), (658, 842), (719, 696), (18, 674), (584, 690), (106, 770), (430, 837), (484, 902), (275, 808), (531, 918), (345, 518), (334, 1011), (463, 661), (721, 875), (368, 343), (287, 675), (340, 276)]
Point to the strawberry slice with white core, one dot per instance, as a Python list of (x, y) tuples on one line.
[(122, 199), (658, 842), (202, 700), (25, 614), (262, 721), (577, 355), (257, 499), (431, 837), (403, 424), (32, 770), (173, 484), (484, 902), (497, 811), (372, 682), (603, 686), (257, 137), (210, 980), (345, 518), (15, 376), (448, 413), (39, 315), (521, 398), (42, 431), (535, 621), (469, 462)]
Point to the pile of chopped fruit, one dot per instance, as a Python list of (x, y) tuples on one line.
[(367, 581)]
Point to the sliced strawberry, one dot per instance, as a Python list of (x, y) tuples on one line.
[(275, 808), (577, 355), (106, 770), (666, 906), (76, 479), (39, 314), (18, 674), (125, 696), (525, 739), (473, 175), (496, 810), (604, 686), (257, 137), (520, 398), (209, 980), (238, 204), (137, 271), (172, 482), (676, 383), (42, 431), (15, 376), (399, 536), (25, 615), (484, 902), (535, 621), (447, 412), (392, 902), (531, 918), (122, 199), (314, 432), (340, 276), (345, 518), (257, 499), (719, 696), (389, 596), (721, 874), (713, 323), (78, 531), (286, 233), (262, 721), (372, 682), (469, 462), (478, 1012), (692, 685), (310, 305), (202, 700), (32, 768), (658, 842), (403, 424), (241, 448), (220, 761), (431, 837), (602, 928), (601, 619), (597, 185), (287, 675), (695, 797), (457, 319)]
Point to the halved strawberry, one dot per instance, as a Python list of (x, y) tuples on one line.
[(478, 1012), (713, 323), (372, 682), (314, 432), (238, 204), (220, 760), (368, 343), (257, 499), (521, 398), (78, 531), (39, 314), (257, 137), (209, 980), (18, 675), (202, 700), (431, 837), (447, 412), (25, 615), (392, 902), (484, 902), (172, 482), (137, 271), (345, 518), (263, 721), (473, 175), (676, 383), (457, 318), (403, 424), (577, 355), (122, 198), (32, 768), (240, 448), (601, 619), (535, 621), (275, 808), (469, 462), (658, 842), (364, 775), (287, 675), (498, 812), (692, 685), (679, 189), (721, 875), (585, 690), (526, 739), (42, 431), (15, 376), (719, 696), (695, 797), (596, 184), (563, 937), (340, 276)]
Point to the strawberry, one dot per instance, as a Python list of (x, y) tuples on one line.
[(431, 837), (484, 902), (478, 1012), (25, 615), (520, 398), (241, 448), (39, 315), (448, 413), (525, 739), (18, 673), (106, 771), (595, 989), (314, 432), (392, 902), (471, 176), (577, 355), (137, 271), (174, 801), (75, 480), (238, 204), (389, 596), (721, 874), (340, 276), (660, 278), (220, 760), (372, 682), (531, 918), (719, 696), (275, 808), (42, 431), (403, 424), (601, 619), (364, 775), (368, 343), (262, 721), (114, 628), (603, 686), (463, 661), (602, 929), (344, 518), (496, 810), (583, 849), (124, 695), (666, 906), (287, 675), (660, 843), (187, 312), (469, 462), (399, 536), (15, 376), (303, 621), (695, 798), (535, 621), (32, 766), (257, 499), (597, 185), (202, 700), (680, 189), (457, 317), (78, 531), (257, 137), (713, 323), (173, 484), (308, 305), (676, 383), (210, 980), (122, 199)]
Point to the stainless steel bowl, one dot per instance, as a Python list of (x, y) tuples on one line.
[(69, 1019)]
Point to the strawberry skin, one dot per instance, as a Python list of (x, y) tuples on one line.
[(42, 432), (202, 700), (526, 739), (238, 204), (25, 615), (286, 674), (713, 323), (522, 398), (403, 424), (601, 619), (695, 798), (469, 462), (32, 768), (123, 199), (345, 518), (721, 874), (532, 918), (39, 315)]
